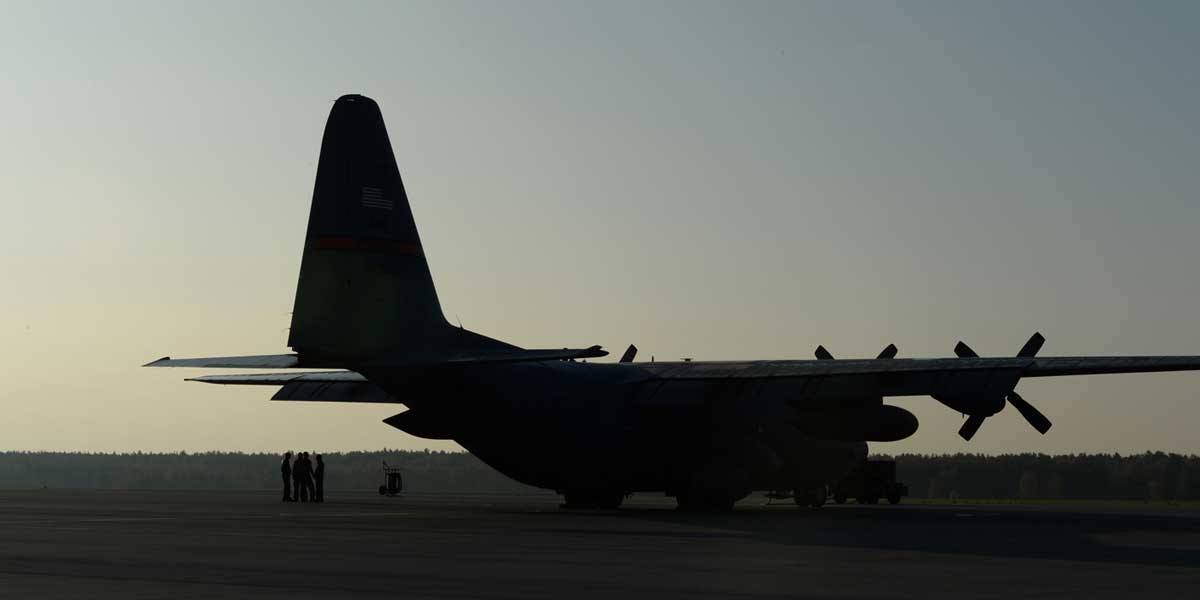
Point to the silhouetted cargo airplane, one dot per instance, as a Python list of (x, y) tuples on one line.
[(707, 433)]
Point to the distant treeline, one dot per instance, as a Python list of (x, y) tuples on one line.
[(423, 471), (1149, 476)]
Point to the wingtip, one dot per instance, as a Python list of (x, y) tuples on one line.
[(201, 379), (156, 361)]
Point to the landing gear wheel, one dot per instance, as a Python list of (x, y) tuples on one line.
[(609, 501), (382, 490), (839, 497), (814, 497), (893, 498)]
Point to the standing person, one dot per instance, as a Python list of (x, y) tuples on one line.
[(285, 469), (319, 475), (298, 490), (308, 479)]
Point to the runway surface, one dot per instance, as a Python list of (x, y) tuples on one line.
[(132, 544)]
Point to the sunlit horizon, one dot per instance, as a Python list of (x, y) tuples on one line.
[(705, 180)]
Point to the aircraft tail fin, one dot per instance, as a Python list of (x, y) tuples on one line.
[(365, 286)]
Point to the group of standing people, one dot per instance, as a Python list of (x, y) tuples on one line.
[(302, 481)]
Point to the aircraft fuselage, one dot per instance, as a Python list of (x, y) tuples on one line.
[(615, 427)]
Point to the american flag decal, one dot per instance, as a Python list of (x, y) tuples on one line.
[(372, 197)]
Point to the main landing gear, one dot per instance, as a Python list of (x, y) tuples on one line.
[(811, 496)]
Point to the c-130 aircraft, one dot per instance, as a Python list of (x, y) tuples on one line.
[(707, 433)]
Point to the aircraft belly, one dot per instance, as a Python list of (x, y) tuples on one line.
[(551, 425), (557, 459)]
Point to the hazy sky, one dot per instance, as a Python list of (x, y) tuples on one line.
[(716, 180)]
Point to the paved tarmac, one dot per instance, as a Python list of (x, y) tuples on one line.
[(141, 544)]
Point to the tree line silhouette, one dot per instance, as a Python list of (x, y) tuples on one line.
[(423, 470), (1153, 476)]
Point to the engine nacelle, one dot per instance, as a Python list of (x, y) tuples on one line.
[(890, 424), (985, 406), (976, 392)]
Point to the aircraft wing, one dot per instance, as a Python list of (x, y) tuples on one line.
[(1057, 366), (975, 386), (1040, 367)]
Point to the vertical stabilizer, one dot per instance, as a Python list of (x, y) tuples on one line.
[(365, 287)]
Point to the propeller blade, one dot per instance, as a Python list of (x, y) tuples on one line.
[(967, 431), (823, 354), (964, 351), (1030, 349), (889, 352), (1031, 414), (630, 352)]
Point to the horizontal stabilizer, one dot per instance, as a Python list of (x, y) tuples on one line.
[(283, 378), (316, 391), (332, 377), (519, 355), (293, 361), (264, 361)]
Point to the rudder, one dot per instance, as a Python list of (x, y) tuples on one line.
[(365, 286)]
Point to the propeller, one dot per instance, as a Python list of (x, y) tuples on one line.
[(968, 429), (1032, 415)]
